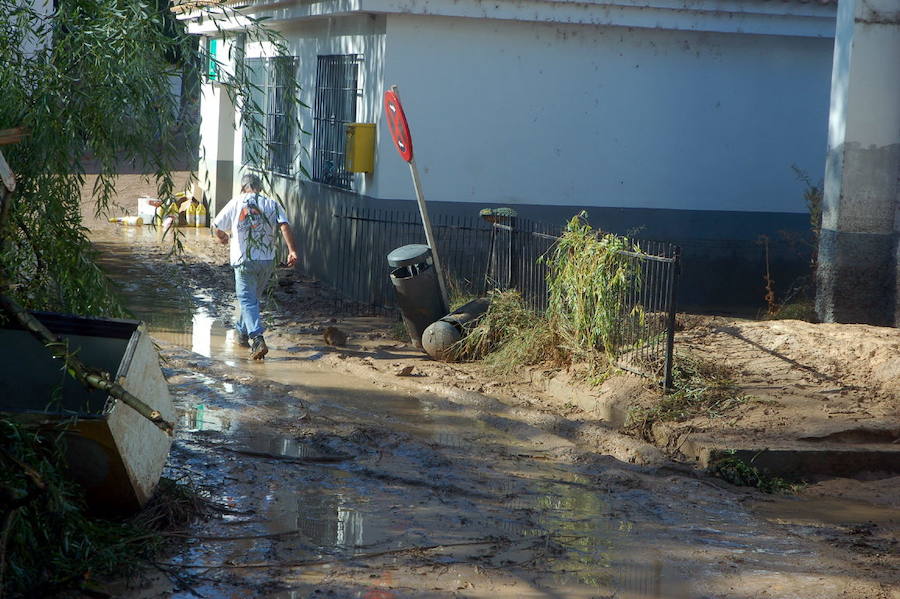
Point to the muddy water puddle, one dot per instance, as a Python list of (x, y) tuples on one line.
[(436, 487), (333, 487), (308, 502), (829, 511)]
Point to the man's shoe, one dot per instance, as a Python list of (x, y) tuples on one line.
[(243, 339), (258, 349)]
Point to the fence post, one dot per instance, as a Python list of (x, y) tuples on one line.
[(670, 325), (490, 268), (513, 279)]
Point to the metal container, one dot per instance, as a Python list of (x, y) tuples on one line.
[(113, 452)]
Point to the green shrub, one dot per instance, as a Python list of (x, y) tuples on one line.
[(588, 278), (48, 541), (700, 388)]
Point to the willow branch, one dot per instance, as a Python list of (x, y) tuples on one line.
[(76, 368), (4, 538), (27, 470), (323, 562), (39, 263)]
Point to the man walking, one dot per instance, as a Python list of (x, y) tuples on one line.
[(249, 222)]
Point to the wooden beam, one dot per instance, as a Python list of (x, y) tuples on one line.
[(12, 136)]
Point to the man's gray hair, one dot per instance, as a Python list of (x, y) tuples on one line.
[(251, 182)]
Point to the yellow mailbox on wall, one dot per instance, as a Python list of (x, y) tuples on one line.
[(360, 149)]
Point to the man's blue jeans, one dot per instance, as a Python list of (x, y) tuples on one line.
[(250, 280)]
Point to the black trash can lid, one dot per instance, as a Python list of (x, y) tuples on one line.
[(409, 254)]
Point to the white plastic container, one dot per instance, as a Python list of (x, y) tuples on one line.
[(134, 221), (147, 208)]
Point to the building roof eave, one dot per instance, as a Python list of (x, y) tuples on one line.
[(813, 18)]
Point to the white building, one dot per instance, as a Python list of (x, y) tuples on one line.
[(678, 119)]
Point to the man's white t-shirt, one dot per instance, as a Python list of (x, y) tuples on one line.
[(252, 220)]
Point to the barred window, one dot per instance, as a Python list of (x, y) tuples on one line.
[(269, 129), (337, 89)]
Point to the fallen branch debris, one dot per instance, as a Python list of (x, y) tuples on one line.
[(323, 562)]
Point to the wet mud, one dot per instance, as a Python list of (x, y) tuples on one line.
[(327, 485)]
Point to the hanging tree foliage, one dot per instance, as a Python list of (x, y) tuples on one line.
[(89, 81), (93, 80)]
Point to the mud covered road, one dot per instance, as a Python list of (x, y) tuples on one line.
[(332, 485)]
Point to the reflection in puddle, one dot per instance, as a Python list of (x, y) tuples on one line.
[(280, 446), (201, 333), (639, 580), (451, 440), (201, 418), (326, 519), (323, 515)]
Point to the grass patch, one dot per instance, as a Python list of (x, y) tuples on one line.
[(737, 472), (801, 309), (700, 388), (509, 335), (399, 332), (587, 279), (49, 542)]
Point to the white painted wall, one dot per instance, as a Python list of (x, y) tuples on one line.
[(217, 137), (861, 184), (30, 44), (517, 112), (360, 34)]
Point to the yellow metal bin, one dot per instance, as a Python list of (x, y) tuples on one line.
[(360, 149)]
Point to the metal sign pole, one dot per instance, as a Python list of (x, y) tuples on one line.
[(429, 234), (426, 222)]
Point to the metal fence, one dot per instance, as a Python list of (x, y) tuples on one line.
[(480, 255), (366, 236), (646, 323), (646, 342)]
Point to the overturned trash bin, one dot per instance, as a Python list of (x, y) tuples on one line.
[(441, 337), (418, 291)]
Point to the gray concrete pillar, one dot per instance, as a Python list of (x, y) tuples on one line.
[(857, 278)]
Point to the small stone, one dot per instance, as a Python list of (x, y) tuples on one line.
[(405, 371), (334, 336)]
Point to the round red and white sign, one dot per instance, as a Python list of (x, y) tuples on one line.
[(398, 126)]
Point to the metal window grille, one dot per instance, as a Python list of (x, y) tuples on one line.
[(253, 125), (270, 122), (337, 89)]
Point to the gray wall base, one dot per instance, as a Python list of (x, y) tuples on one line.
[(724, 260), (856, 279)]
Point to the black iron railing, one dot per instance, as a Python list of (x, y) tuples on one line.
[(480, 255), (647, 323)]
